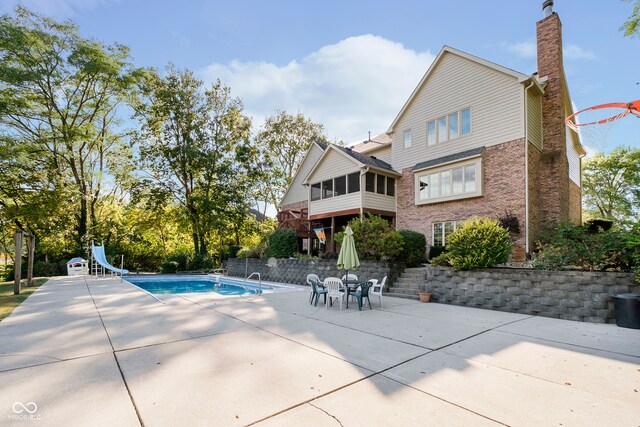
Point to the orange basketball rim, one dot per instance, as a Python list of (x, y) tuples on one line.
[(626, 107)]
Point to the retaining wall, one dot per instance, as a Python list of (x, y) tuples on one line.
[(572, 295), (295, 271)]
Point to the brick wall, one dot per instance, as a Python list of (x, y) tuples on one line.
[(503, 191), (295, 271), (575, 203), (535, 170), (554, 177), (571, 295)]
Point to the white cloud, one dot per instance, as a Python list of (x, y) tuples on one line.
[(356, 85), (523, 49), (575, 52), (528, 49)]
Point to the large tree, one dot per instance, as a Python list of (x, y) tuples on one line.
[(611, 184), (196, 147), (59, 98), (284, 141)]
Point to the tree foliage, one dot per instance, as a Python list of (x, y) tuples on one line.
[(631, 27), (59, 94), (284, 141), (611, 184), (195, 147)]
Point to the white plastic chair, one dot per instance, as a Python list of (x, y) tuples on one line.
[(376, 289), (310, 277), (334, 288)]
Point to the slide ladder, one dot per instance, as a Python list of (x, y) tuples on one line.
[(99, 258)]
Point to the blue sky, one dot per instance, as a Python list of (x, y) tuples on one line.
[(351, 65)]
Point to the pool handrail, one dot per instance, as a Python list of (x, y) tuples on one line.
[(259, 281)]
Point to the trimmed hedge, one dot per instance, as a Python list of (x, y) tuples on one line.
[(413, 247)]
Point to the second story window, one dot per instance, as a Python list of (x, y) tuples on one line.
[(380, 184), (407, 138), (315, 192), (449, 183), (340, 185), (391, 186), (354, 182), (370, 182), (327, 189)]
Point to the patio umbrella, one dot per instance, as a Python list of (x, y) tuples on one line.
[(348, 258)]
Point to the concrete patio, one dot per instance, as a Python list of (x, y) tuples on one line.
[(100, 352)]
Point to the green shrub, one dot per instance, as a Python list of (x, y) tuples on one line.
[(203, 262), (184, 259), (233, 251), (49, 269), (478, 243), (571, 246), (169, 267), (375, 239), (414, 245), (435, 251), (442, 259), (247, 253), (283, 243)]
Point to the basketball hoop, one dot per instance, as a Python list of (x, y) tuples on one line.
[(593, 123)]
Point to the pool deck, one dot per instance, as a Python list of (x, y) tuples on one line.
[(96, 352)]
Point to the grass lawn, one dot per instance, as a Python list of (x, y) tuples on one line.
[(9, 301)]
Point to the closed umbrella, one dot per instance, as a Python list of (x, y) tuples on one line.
[(348, 258)]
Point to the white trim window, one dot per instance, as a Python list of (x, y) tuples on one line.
[(440, 231), (450, 182), (449, 127), (407, 138)]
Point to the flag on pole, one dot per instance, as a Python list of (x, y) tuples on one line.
[(321, 235)]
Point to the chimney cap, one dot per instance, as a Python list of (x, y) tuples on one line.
[(547, 8)]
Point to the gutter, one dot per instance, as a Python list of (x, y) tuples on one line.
[(527, 253)]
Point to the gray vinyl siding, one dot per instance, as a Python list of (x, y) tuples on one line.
[(573, 157), (534, 119), (332, 165), (379, 201), (297, 191), (383, 154), (497, 109), (334, 204)]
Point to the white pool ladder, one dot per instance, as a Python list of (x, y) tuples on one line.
[(259, 281)]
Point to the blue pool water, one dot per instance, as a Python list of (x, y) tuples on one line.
[(159, 284)]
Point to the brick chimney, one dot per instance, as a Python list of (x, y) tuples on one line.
[(554, 179)]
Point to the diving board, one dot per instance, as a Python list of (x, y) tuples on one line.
[(100, 257)]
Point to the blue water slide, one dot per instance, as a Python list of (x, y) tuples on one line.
[(100, 257)]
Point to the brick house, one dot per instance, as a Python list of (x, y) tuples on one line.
[(473, 139)]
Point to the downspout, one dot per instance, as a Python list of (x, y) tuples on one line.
[(527, 253), (362, 185)]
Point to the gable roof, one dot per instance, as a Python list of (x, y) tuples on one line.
[(322, 146), (447, 49), (359, 159), (371, 144)]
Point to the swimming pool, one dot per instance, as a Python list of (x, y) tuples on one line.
[(182, 284)]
